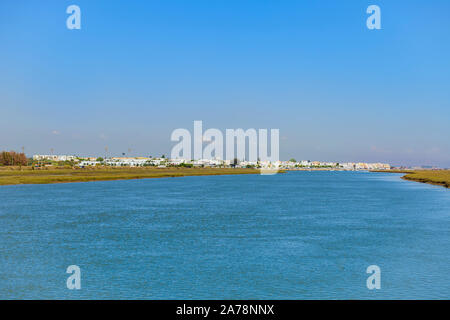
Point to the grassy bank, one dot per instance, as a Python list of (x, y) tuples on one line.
[(393, 171), (437, 177), (24, 175)]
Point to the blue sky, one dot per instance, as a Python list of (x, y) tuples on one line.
[(137, 70)]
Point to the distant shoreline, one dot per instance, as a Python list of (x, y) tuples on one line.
[(48, 175), (434, 177), (16, 176)]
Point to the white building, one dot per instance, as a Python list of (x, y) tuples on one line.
[(177, 162), (54, 157), (128, 162), (89, 163)]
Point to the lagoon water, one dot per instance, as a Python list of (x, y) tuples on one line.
[(298, 235)]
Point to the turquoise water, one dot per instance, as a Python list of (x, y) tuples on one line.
[(298, 235)]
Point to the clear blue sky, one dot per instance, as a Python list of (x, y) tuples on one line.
[(139, 69)]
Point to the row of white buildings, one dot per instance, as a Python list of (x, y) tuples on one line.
[(334, 165), (162, 162), (43, 157), (306, 164)]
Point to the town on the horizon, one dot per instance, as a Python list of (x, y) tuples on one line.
[(162, 161)]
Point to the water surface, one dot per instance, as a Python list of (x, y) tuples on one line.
[(298, 235)]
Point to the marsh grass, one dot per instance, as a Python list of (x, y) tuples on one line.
[(437, 177), (25, 175)]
